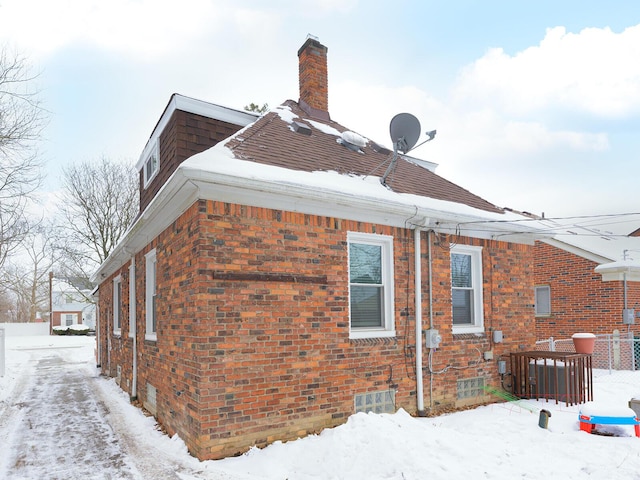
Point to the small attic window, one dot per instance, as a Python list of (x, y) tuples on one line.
[(151, 164)]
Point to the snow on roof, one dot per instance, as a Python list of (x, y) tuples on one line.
[(331, 184), (591, 242), (271, 165)]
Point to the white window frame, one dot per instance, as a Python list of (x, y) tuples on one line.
[(132, 298), (477, 324), (151, 276), (117, 305), (386, 243), (151, 165), (537, 305)]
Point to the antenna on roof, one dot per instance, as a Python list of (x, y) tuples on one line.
[(405, 131)]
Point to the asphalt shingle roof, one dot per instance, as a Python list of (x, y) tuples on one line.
[(271, 140)]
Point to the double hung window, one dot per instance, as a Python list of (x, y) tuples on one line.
[(150, 295), (466, 289), (117, 305), (371, 285)]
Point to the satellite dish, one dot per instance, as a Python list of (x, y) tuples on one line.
[(405, 131)]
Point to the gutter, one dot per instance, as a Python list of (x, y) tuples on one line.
[(191, 183)]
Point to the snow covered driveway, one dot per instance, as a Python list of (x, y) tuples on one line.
[(60, 426), (60, 420)]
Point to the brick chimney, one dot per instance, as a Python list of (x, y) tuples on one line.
[(314, 85)]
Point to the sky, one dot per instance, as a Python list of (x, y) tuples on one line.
[(111, 438), (536, 104)]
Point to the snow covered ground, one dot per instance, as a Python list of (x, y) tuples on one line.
[(60, 420)]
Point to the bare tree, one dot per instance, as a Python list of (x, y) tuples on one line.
[(100, 203), (21, 122), (27, 279)]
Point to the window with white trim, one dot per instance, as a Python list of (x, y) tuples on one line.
[(132, 299), (151, 164), (370, 285), (543, 300), (466, 289), (150, 295), (117, 304)]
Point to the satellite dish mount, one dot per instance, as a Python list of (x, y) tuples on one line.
[(405, 131)]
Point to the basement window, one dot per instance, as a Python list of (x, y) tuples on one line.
[(470, 388), (376, 402), (151, 164)]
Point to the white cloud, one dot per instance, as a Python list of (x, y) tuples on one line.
[(148, 27), (595, 71)]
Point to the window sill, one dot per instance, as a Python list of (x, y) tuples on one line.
[(468, 330), (151, 337), (359, 334)]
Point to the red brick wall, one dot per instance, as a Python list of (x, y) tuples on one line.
[(253, 326), (59, 320), (508, 307), (580, 300)]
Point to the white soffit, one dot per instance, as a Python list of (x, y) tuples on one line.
[(618, 271)]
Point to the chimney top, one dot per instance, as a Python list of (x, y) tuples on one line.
[(313, 78)]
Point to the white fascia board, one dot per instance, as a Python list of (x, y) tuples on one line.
[(197, 107), (619, 271), (594, 257), (169, 203), (189, 184), (300, 198)]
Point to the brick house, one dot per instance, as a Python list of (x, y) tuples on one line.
[(272, 285), (584, 278)]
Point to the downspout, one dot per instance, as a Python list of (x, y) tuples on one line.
[(418, 308), (430, 316), (96, 299), (133, 327)]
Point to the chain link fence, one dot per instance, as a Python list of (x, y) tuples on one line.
[(617, 352)]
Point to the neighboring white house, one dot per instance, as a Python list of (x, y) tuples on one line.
[(71, 306)]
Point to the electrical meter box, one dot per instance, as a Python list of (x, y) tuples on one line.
[(628, 316), (432, 338)]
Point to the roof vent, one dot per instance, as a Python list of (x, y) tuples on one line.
[(352, 141), (300, 128)]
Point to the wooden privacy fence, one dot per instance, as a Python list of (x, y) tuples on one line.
[(563, 376)]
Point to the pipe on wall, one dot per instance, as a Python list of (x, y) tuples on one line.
[(418, 315)]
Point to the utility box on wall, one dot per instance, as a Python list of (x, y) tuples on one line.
[(432, 338), (628, 316)]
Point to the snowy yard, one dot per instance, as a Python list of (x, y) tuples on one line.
[(60, 420)]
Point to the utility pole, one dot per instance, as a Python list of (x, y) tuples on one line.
[(50, 303)]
